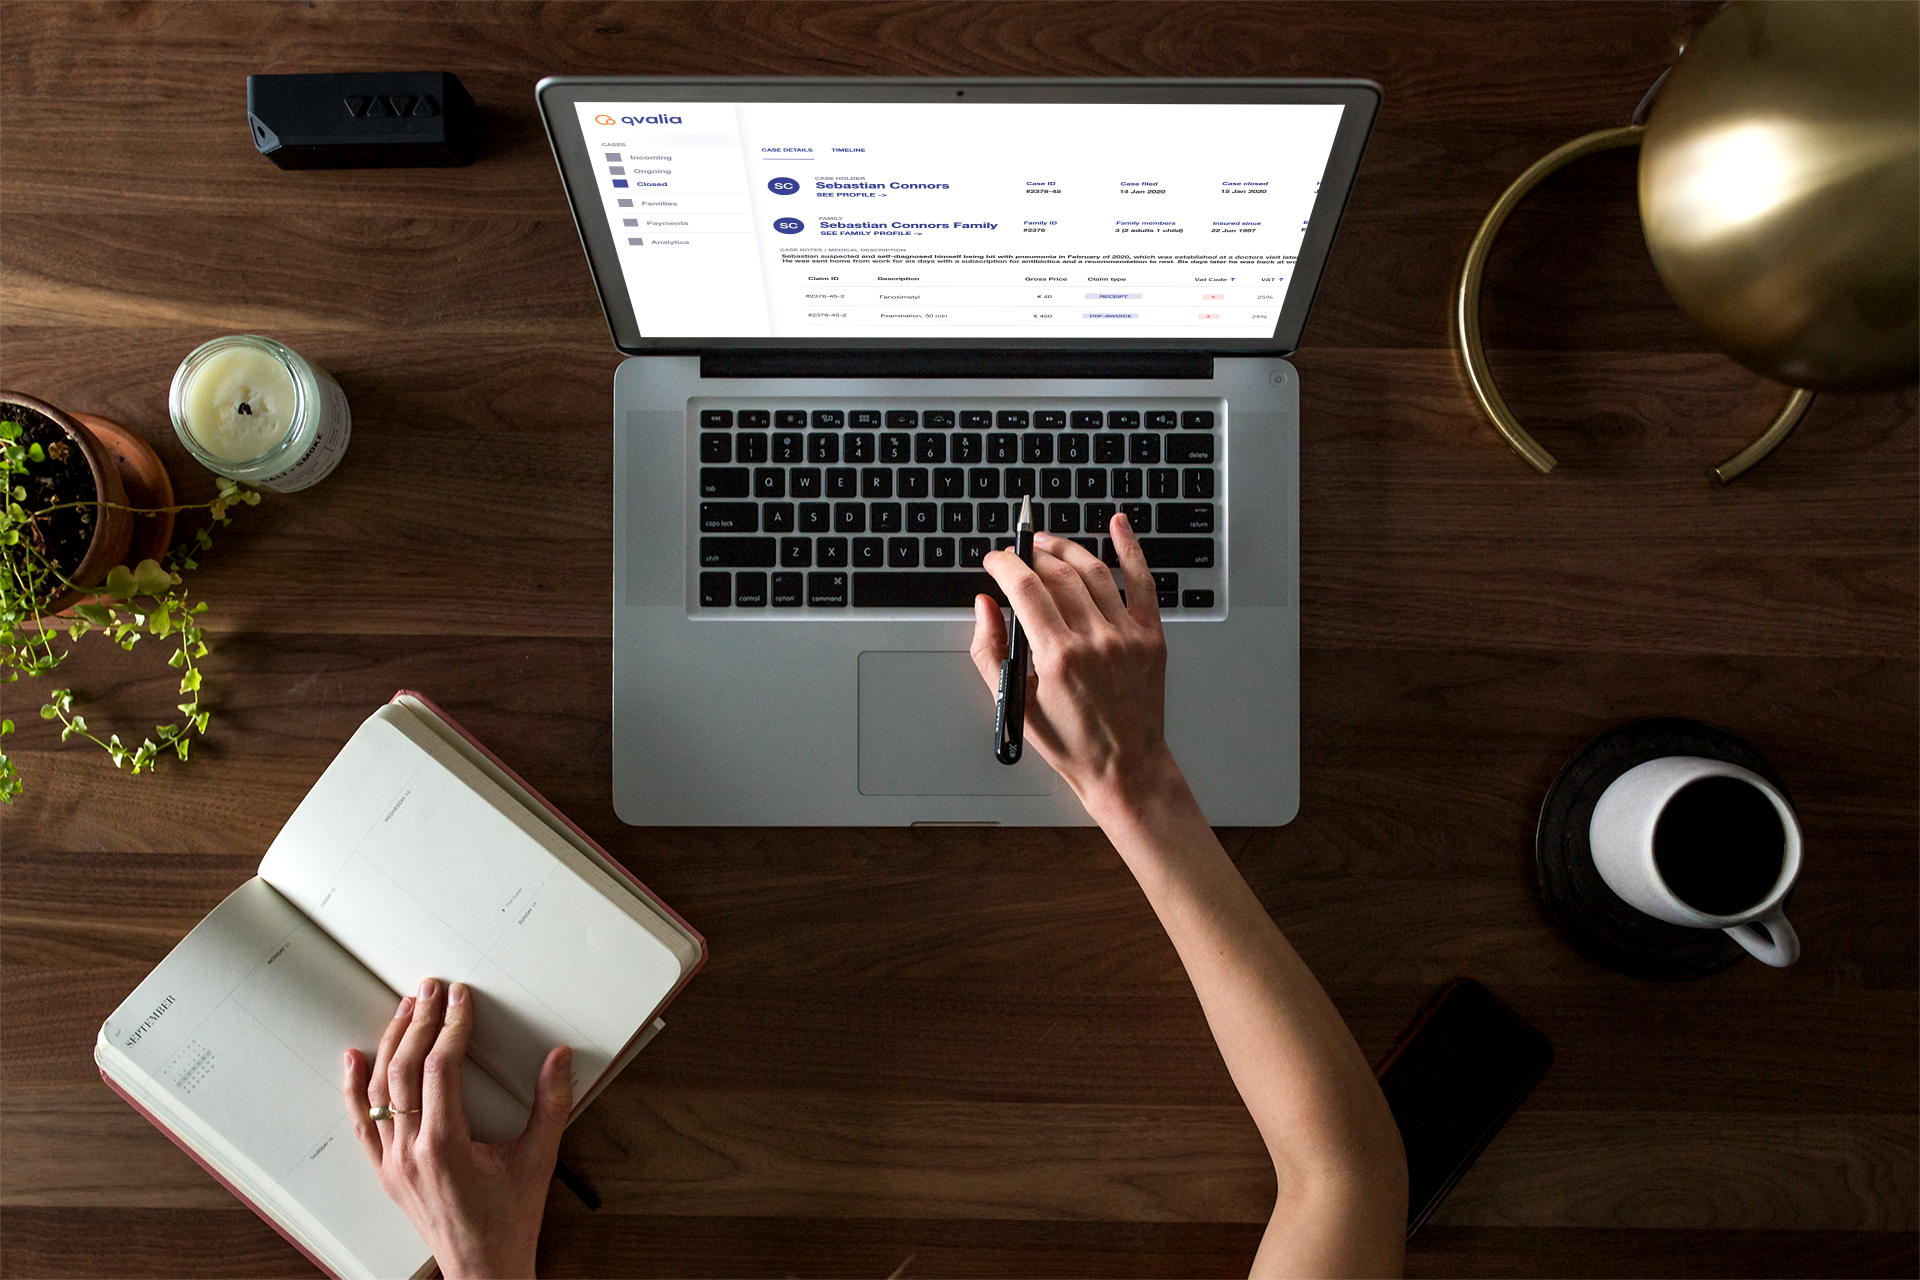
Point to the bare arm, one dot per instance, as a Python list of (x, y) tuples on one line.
[(1095, 713)]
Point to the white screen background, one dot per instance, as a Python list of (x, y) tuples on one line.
[(975, 220)]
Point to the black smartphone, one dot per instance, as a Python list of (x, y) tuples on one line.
[(1460, 1071)]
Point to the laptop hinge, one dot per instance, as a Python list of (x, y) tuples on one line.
[(954, 363)]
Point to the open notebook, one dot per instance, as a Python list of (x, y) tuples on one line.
[(416, 854)]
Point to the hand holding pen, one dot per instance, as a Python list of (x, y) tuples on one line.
[(1010, 699), (1095, 699)]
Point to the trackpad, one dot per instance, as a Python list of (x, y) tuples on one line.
[(926, 729)]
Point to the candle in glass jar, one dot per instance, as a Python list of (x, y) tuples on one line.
[(239, 403), (251, 408)]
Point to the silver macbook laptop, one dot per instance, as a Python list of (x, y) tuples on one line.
[(866, 318)]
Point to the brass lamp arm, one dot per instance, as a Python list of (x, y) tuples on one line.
[(1466, 315)]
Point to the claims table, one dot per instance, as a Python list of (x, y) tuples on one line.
[(973, 1052)]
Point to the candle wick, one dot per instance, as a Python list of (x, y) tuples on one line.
[(245, 407)]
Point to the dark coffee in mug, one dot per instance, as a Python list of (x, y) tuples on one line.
[(1719, 845)]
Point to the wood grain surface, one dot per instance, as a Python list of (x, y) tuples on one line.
[(974, 1053)]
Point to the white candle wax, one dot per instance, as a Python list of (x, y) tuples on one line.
[(240, 403)]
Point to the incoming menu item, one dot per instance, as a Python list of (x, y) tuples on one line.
[(416, 854), (1028, 220)]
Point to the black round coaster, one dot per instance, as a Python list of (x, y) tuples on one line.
[(1601, 925)]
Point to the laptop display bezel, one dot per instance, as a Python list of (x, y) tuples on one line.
[(557, 96)]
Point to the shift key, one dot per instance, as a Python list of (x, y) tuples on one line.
[(723, 482), (1174, 553), (736, 553)]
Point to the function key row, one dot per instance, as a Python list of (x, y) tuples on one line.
[(948, 419), (967, 447)]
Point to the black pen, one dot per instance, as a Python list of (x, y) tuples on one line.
[(1010, 708)]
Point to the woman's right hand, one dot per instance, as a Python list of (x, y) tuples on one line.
[(1096, 696)]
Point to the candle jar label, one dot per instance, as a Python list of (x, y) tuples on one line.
[(325, 450)]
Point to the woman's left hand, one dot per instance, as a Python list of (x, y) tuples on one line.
[(477, 1204)]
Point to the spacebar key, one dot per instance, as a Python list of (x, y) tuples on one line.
[(922, 590)]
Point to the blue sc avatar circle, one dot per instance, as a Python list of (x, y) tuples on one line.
[(789, 226), (783, 186)]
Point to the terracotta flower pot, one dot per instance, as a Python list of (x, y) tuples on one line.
[(126, 472)]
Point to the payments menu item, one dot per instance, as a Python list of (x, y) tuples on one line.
[(979, 220)]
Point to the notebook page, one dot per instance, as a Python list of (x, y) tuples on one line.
[(441, 740), (237, 1037), (417, 875)]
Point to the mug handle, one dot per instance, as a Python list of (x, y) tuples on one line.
[(1769, 938)]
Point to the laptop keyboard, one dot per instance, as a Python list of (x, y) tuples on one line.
[(872, 507)]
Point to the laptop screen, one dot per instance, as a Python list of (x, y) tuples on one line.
[(958, 220)]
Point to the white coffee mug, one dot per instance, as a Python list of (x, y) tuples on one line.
[(1622, 836)]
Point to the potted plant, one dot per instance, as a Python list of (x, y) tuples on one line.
[(86, 544)]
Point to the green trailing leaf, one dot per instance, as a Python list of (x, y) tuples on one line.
[(119, 583), (149, 579), (98, 614)]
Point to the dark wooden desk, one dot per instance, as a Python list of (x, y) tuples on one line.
[(965, 1052)]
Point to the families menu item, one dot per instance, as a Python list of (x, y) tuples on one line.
[(417, 854)]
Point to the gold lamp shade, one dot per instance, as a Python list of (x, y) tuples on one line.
[(1780, 197), (1780, 190)]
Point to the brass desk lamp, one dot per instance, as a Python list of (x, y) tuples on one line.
[(1780, 199)]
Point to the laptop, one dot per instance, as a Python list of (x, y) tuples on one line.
[(866, 318)]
